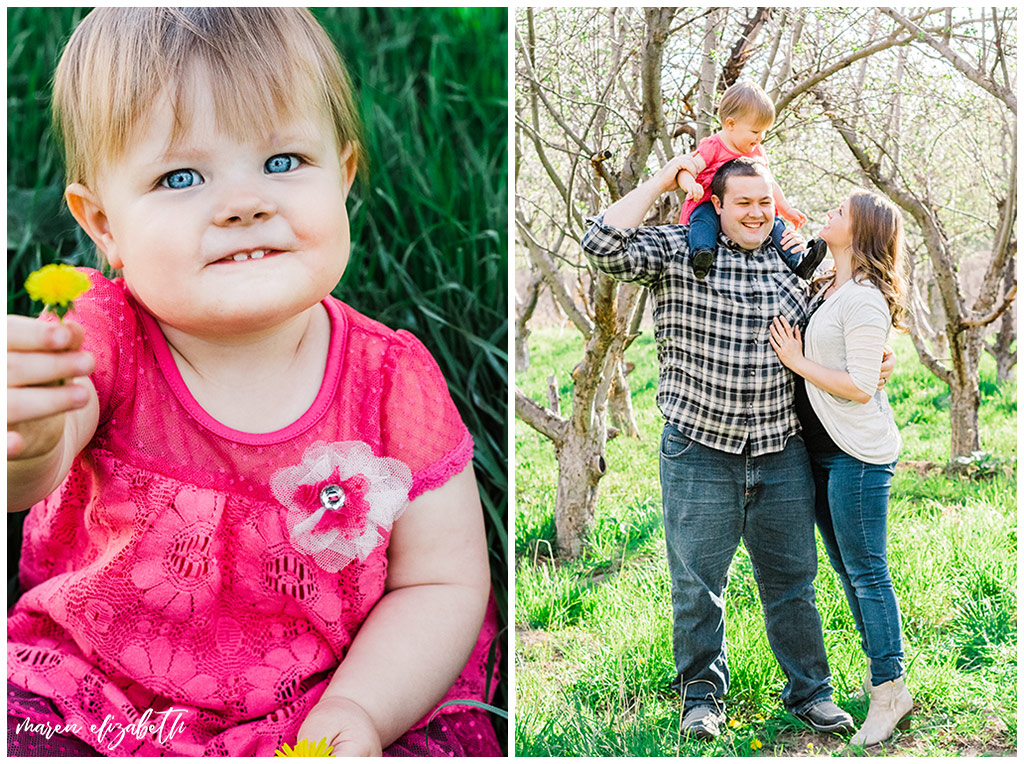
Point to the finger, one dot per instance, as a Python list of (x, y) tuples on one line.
[(42, 368), (27, 403), (27, 334), (15, 444)]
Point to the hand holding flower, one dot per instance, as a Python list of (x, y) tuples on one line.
[(345, 724), (40, 356)]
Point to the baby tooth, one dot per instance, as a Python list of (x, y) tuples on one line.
[(239, 257), (257, 254)]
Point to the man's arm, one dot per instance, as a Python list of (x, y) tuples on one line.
[(617, 244), (686, 178), (630, 210)]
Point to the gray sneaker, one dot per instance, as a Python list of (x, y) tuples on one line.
[(826, 716), (702, 723)]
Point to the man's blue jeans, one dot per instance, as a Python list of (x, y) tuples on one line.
[(711, 500), (851, 507)]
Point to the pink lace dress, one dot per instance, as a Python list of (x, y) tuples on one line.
[(190, 589)]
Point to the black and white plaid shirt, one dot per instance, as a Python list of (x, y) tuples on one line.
[(720, 382)]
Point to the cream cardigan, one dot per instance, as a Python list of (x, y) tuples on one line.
[(848, 333)]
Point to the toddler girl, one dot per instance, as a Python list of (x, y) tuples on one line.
[(254, 514), (746, 112)]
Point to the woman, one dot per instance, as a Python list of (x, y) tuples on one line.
[(850, 432)]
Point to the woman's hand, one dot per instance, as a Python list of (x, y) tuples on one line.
[(791, 240), (888, 366), (786, 342), (346, 726)]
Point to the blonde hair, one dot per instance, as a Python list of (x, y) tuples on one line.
[(877, 251), (260, 62), (745, 99)]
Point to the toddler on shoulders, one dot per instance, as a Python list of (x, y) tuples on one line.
[(745, 112)]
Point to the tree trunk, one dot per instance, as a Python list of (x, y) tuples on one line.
[(1002, 350), (620, 403), (964, 401), (524, 312), (712, 30), (581, 465)]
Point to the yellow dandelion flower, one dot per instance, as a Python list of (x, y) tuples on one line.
[(735, 723), (306, 749), (56, 286), (756, 745)]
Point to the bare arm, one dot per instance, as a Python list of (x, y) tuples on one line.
[(417, 638), (691, 166), (629, 211), (48, 423), (785, 210)]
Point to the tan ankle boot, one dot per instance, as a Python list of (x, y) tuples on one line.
[(890, 706), (865, 687)]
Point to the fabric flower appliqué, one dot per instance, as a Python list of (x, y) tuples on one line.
[(337, 499)]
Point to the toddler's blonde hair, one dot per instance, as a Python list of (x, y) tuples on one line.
[(261, 63), (745, 99)]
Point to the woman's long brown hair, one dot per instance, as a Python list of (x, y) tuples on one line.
[(876, 230)]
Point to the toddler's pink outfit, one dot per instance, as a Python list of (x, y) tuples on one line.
[(187, 572), (715, 154)]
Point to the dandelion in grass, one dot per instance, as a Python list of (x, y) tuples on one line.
[(735, 724), (57, 286), (756, 745), (306, 748)]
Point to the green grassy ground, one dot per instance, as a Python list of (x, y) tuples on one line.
[(593, 642)]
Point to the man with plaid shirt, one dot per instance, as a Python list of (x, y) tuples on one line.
[(732, 462)]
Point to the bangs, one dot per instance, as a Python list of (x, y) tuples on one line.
[(257, 62)]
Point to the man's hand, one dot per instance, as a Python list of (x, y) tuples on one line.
[(888, 366), (42, 360), (346, 726), (629, 211), (689, 184)]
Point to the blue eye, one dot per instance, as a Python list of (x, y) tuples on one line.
[(281, 163), (181, 179)]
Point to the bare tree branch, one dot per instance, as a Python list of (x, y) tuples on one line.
[(540, 257), (539, 418), (995, 314), (973, 73), (823, 74)]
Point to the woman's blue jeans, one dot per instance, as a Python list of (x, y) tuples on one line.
[(851, 506), (711, 500)]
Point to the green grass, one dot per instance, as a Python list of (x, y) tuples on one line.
[(594, 660), (429, 219)]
